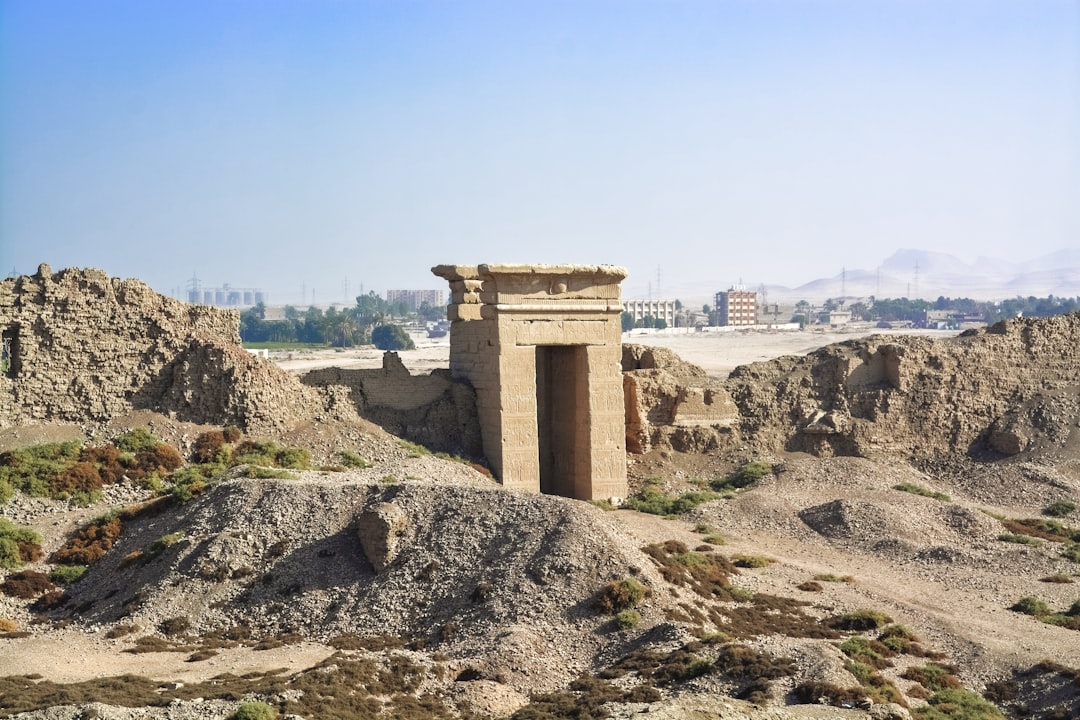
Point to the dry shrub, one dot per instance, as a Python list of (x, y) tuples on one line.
[(82, 477), (90, 544), (174, 626), (707, 575), (26, 584), (828, 694), (29, 551), (207, 446), (8, 626), (745, 663), (120, 631), (49, 601), (811, 586), (620, 595), (859, 620), (161, 459), (106, 458)]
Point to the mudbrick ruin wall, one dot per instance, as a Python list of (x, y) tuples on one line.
[(84, 347), (1000, 390), (433, 410)]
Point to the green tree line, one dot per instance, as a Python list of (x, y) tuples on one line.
[(346, 327)]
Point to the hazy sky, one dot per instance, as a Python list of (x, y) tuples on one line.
[(306, 144)]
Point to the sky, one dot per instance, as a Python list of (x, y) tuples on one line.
[(317, 149)]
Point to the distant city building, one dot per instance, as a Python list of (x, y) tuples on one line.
[(736, 306), (656, 309), (225, 296), (413, 299)]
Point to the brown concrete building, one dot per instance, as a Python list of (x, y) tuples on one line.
[(737, 306)]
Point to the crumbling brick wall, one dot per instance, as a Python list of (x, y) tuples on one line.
[(85, 347), (434, 410)]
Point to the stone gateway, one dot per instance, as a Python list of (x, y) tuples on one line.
[(541, 345)]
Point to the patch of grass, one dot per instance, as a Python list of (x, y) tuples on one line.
[(859, 620), (829, 577), (619, 595), (823, 693), (267, 453), (1031, 605), (957, 704), (868, 652), (67, 574), (1020, 539), (352, 460), (257, 472), (920, 490), (1072, 552), (254, 711), (136, 440), (1057, 578), (1061, 508), (654, 501), (752, 561), (413, 450), (876, 687), (933, 677), (605, 505), (745, 476), (1042, 528)]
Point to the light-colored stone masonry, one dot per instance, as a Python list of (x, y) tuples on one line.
[(85, 347), (541, 346)]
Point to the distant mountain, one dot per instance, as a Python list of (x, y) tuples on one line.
[(928, 275)]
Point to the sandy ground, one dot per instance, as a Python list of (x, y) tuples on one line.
[(717, 352)]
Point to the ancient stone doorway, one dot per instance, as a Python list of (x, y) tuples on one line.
[(542, 347), (561, 414)]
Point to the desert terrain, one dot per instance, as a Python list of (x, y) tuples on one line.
[(827, 525)]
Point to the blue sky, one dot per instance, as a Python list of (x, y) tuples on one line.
[(295, 146)]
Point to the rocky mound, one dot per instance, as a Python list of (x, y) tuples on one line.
[(462, 566), (1002, 390)]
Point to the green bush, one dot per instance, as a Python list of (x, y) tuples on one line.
[(1072, 552), (655, 502), (860, 620), (67, 574), (254, 711), (957, 704), (18, 544), (352, 460), (33, 469), (136, 440), (867, 652), (1020, 539), (620, 595), (746, 475), (627, 619), (920, 490), (752, 562), (391, 337), (1061, 508), (1031, 605)]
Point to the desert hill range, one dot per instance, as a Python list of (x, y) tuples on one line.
[(882, 527), (912, 273)]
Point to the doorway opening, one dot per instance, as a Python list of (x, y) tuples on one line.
[(9, 352), (562, 421)]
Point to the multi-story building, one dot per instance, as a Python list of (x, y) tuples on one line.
[(656, 309), (413, 299), (737, 306)]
